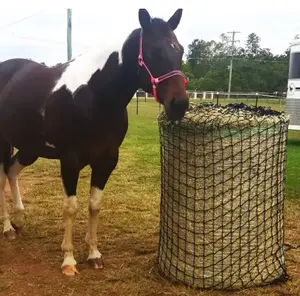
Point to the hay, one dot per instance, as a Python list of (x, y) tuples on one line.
[(222, 196)]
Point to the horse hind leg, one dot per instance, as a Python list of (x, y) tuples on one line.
[(18, 162), (12, 171), (5, 158)]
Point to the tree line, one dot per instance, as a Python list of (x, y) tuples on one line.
[(255, 69)]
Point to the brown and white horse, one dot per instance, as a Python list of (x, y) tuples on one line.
[(76, 112)]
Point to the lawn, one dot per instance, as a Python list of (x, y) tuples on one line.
[(128, 224)]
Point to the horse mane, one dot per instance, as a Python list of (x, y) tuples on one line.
[(130, 42)]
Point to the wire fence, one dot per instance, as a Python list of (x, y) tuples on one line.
[(275, 100)]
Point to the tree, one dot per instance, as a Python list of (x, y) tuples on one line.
[(203, 54), (252, 46), (255, 68)]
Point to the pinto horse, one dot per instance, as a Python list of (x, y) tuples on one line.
[(77, 113)]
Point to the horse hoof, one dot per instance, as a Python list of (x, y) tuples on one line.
[(17, 228), (69, 270), (10, 234), (96, 263)]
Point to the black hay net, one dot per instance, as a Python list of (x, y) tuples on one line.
[(222, 196)]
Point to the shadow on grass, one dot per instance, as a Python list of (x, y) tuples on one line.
[(293, 142)]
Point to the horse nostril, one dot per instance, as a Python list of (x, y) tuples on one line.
[(178, 108), (180, 104)]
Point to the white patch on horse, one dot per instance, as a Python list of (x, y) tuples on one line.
[(94, 254), (69, 260), (95, 198), (70, 209), (82, 68), (49, 145), (42, 112), (12, 175), (4, 215), (96, 195)]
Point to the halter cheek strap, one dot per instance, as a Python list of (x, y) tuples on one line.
[(155, 81)]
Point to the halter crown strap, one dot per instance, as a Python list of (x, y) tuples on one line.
[(155, 81)]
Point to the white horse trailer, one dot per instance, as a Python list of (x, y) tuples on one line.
[(292, 104)]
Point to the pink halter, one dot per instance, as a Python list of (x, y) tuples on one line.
[(156, 81)]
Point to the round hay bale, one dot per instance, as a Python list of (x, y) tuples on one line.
[(222, 196)]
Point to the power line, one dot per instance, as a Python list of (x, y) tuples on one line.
[(21, 20), (55, 42), (38, 39)]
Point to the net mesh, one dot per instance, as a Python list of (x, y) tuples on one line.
[(222, 196)]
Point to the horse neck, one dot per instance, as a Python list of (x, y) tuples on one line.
[(120, 90), (129, 79), (128, 83), (113, 98)]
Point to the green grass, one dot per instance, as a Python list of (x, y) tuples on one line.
[(293, 165)]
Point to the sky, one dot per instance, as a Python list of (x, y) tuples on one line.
[(41, 36)]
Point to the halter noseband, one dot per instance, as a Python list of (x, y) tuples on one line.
[(156, 81)]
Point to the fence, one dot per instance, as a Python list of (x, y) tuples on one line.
[(252, 98), (211, 95)]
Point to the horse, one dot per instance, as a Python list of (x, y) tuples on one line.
[(76, 112)]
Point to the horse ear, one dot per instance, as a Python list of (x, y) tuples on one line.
[(175, 19), (144, 18)]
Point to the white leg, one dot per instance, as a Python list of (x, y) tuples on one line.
[(8, 230), (13, 173), (70, 209), (95, 257)]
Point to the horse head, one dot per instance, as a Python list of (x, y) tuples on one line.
[(159, 58)]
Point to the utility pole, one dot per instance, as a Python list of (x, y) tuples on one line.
[(69, 33), (230, 53)]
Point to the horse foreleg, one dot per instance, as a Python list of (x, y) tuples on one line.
[(95, 257), (100, 174), (70, 209)]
